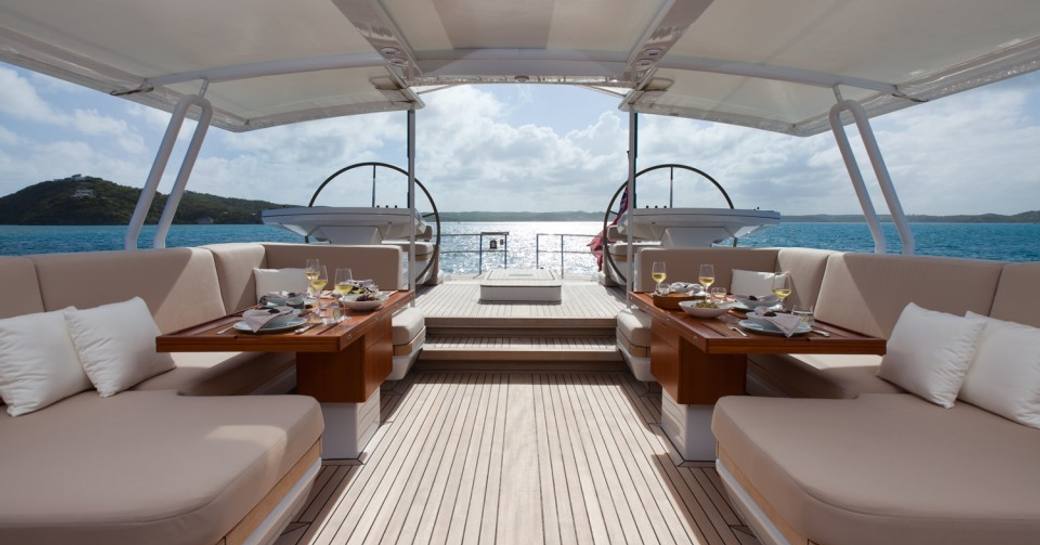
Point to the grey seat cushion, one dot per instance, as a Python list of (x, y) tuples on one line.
[(146, 467), (886, 468)]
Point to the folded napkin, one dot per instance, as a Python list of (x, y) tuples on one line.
[(685, 287), (787, 323), (257, 318), (284, 298)]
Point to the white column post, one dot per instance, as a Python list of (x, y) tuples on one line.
[(174, 199), (162, 156), (630, 189), (411, 200)]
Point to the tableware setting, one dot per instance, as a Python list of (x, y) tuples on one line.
[(704, 308), (769, 322), (286, 299), (360, 295), (269, 320)]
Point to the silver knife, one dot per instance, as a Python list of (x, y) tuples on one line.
[(821, 332), (738, 330), (306, 328)]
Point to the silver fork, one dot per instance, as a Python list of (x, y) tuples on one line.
[(738, 330)]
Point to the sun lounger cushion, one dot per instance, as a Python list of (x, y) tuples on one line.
[(222, 373), (889, 469), (817, 375), (406, 324), (635, 326), (1017, 298), (19, 287), (146, 467), (178, 284)]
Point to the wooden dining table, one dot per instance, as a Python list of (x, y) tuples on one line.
[(341, 364), (697, 361)]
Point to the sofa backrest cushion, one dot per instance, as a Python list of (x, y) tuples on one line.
[(683, 264), (178, 284), (867, 292), (235, 263), (1017, 298), (19, 287), (806, 267), (379, 263)]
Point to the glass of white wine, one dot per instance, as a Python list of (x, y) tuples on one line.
[(658, 273), (311, 270), (781, 287), (706, 276), (344, 279), (318, 281)]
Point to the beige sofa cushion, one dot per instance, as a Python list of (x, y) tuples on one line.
[(806, 267), (178, 284), (406, 324), (867, 292), (889, 469), (634, 325), (817, 375), (684, 264), (221, 373), (160, 468), (235, 263), (1018, 298), (380, 263), (19, 288)]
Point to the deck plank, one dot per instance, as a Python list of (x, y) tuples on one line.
[(528, 458)]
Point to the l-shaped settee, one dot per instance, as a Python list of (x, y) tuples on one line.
[(194, 455)]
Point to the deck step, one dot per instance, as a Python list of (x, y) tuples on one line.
[(520, 348)]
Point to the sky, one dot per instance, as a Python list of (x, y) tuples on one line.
[(538, 148)]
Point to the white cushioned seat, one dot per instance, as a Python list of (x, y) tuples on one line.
[(816, 375), (890, 469), (235, 263), (146, 467), (19, 287), (406, 324), (226, 373), (635, 326)]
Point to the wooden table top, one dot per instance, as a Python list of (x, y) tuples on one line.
[(714, 336), (207, 337)]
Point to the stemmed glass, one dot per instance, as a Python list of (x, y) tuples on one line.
[(658, 273), (312, 269), (319, 280), (781, 287), (718, 294), (706, 276), (344, 277)]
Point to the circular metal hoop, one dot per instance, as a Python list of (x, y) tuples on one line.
[(607, 257), (376, 164)]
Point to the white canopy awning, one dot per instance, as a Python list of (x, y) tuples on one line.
[(769, 65)]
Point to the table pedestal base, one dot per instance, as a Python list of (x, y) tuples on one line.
[(688, 427), (349, 427)]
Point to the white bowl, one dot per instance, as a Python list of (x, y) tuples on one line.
[(690, 308)]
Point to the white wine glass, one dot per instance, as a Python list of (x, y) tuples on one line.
[(781, 287), (707, 276), (658, 273), (312, 269), (344, 279), (319, 280)]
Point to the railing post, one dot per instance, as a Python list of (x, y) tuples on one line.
[(537, 251), (562, 273), (411, 201), (480, 254), (505, 251), (630, 188)]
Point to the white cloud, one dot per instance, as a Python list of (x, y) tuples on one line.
[(19, 99), (92, 123)]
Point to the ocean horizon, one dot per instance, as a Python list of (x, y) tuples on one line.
[(995, 241)]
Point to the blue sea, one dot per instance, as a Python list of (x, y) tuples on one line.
[(1006, 242)]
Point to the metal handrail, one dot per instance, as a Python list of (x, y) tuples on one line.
[(562, 251), (503, 235)]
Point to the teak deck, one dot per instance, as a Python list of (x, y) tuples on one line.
[(518, 458)]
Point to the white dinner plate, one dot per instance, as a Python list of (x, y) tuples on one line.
[(290, 324), (770, 329)]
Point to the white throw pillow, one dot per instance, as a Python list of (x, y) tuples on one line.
[(759, 284), (38, 362), (929, 353), (116, 345), (272, 280), (1005, 377)]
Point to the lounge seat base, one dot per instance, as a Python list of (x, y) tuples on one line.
[(688, 427), (639, 366), (290, 505), (402, 364), (349, 427), (750, 512)]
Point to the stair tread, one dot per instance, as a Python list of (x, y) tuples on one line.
[(521, 343)]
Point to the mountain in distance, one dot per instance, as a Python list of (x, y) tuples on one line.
[(87, 200)]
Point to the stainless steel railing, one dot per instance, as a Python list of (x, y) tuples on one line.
[(563, 251), (498, 244)]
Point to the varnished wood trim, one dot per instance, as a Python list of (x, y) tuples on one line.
[(256, 516), (785, 528)]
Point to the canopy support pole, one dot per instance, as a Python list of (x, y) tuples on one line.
[(162, 157), (411, 202), (630, 190), (877, 161)]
